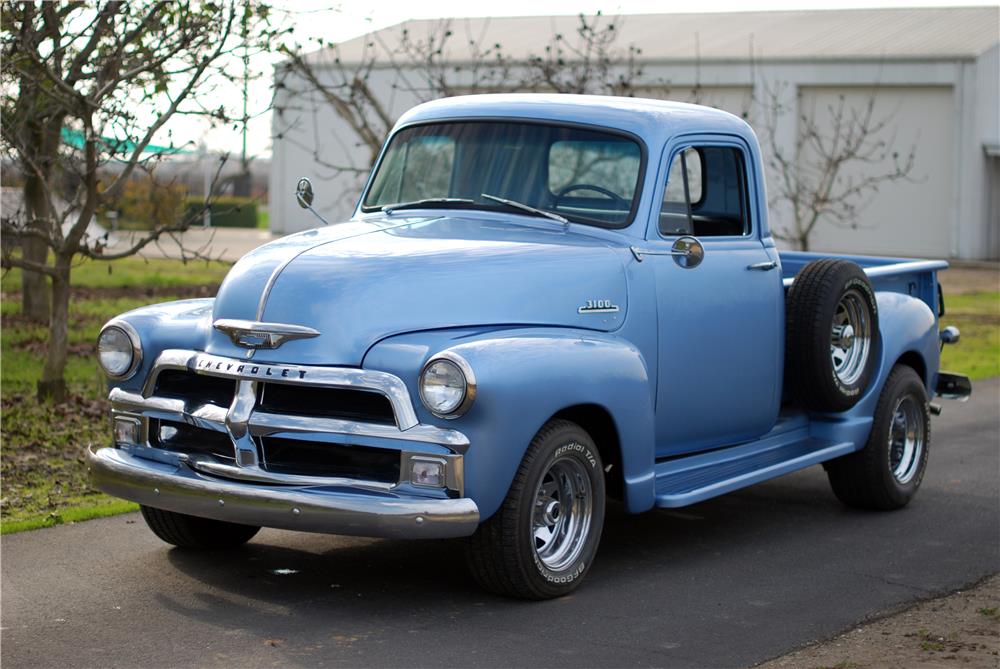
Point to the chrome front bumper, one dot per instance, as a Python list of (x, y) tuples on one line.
[(307, 508), (241, 488)]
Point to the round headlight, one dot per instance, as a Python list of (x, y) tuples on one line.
[(447, 387), (118, 351)]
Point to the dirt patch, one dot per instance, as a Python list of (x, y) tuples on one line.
[(43, 451), (959, 630), (960, 280)]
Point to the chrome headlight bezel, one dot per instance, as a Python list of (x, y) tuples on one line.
[(132, 336), (465, 370)]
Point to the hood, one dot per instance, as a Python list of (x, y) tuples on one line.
[(359, 282)]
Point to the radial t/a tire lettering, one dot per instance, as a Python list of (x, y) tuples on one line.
[(543, 539)]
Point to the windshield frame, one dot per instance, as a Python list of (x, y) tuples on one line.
[(636, 197)]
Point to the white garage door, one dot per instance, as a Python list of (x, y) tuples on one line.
[(913, 217)]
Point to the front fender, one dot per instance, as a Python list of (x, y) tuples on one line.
[(180, 324), (524, 377)]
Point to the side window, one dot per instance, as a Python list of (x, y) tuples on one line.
[(714, 202), (674, 212)]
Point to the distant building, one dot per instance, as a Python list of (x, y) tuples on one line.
[(935, 71)]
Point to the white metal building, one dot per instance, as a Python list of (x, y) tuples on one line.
[(934, 72)]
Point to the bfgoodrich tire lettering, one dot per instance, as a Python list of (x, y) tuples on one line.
[(542, 541)]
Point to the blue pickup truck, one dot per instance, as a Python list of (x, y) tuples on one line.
[(540, 302)]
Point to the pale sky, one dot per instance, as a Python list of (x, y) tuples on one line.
[(342, 21)]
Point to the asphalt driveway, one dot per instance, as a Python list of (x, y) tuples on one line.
[(725, 583)]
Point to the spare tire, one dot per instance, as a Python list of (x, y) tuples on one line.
[(831, 335)]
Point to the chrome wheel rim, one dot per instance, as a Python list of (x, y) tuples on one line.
[(906, 439), (564, 505), (850, 338)]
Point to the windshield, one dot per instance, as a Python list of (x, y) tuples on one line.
[(587, 176)]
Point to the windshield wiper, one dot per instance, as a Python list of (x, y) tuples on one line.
[(426, 202), (527, 207)]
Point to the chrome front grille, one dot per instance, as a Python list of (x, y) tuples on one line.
[(194, 389), (316, 426), (341, 403), (183, 438), (311, 458), (278, 398)]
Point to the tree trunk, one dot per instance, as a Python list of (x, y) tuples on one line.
[(243, 184), (53, 383), (34, 287)]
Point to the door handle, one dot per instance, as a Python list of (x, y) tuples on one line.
[(763, 266)]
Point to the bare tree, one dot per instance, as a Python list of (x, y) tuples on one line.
[(834, 167), (591, 61), (112, 73), (587, 61)]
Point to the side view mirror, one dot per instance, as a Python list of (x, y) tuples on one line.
[(304, 193)]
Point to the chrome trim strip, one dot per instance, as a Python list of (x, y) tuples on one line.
[(237, 418), (207, 416), (340, 377), (258, 475), (211, 417), (349, 511), (264, 424), (904, 267)]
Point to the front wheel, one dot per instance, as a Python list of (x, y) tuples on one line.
[(886, 473), (192, 532), (542, 540)]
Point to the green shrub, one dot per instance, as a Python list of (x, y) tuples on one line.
[(227, 212), (144, 203)]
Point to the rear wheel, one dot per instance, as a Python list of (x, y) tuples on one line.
[(192, 532), (887, 472), (542, 540)]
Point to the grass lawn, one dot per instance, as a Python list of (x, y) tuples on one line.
[(977, 315), (44, 479)]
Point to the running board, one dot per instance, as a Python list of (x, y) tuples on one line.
[(695, 478)]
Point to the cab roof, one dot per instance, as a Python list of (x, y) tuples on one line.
[(652, 120)]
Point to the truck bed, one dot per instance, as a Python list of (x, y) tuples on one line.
[(898, 275)]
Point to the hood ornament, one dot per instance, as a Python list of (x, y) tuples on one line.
[(255, 334)]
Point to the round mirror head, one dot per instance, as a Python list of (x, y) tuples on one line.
[(304, 192), (688, 252)]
